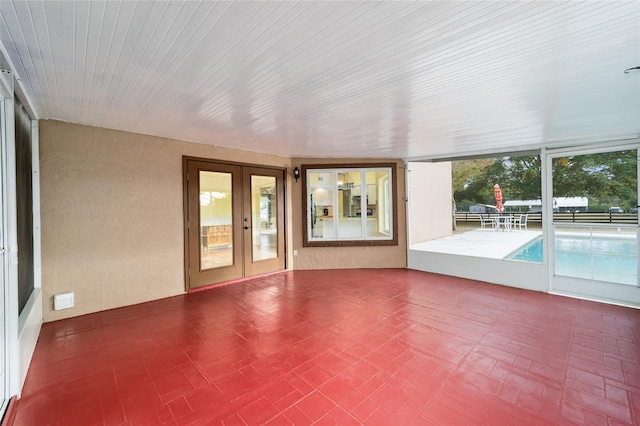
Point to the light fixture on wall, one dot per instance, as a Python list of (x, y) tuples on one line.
[(296, 173)]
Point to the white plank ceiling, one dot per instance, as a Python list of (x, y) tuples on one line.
[(335, 78)]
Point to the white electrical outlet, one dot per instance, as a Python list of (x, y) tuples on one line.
[(295, 252)]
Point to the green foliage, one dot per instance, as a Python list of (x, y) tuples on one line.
[(471, 180), (607, 179), (465, 170), (464, 205)]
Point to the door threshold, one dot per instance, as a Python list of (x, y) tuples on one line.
[(239, 280)]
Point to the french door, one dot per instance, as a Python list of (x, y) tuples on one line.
[(234, 221)]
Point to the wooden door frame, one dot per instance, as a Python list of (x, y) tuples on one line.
[(185, 206)]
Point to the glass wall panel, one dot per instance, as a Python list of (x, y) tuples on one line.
[(597, 252), (595, 216)]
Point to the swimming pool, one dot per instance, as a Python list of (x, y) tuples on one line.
[(609, 259), (531, 252)]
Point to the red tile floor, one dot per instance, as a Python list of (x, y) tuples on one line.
[(375, 347)]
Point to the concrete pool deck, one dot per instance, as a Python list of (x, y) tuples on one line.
[(486, 243)]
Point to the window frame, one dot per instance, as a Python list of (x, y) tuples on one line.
[(393, 241)]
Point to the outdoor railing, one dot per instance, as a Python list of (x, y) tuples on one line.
[(475, 217), (575, 217), (603, 217)]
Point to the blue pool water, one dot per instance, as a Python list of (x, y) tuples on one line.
[(532, 252), (605, 259)]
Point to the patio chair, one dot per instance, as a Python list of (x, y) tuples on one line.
[(484, 222), (520, 221)]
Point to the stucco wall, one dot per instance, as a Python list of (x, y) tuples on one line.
[(348, 257), (112, 219), (430, 201)]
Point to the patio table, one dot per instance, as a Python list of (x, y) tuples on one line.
[(504, 222)]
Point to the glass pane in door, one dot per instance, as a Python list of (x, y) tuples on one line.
[(264, 217), (216, 220)]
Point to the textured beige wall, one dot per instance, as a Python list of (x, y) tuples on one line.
[(112, 220), (348, 257), (430, 201)]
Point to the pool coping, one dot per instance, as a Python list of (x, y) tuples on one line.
[(485, 243)]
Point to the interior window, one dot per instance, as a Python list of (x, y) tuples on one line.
[(349, 205)]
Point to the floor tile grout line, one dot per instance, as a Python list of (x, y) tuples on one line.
[(385, 331)]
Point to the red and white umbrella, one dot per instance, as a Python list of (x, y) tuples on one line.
[(497, 194)]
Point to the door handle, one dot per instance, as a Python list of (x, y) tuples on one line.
[(246, 227)]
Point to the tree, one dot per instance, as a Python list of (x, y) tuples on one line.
[(463, 170), (521, 177), (606, 178), (469, 178)]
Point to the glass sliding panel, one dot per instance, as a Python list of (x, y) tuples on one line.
[(264, 212), (321, 205), (216, 220), (595, 216), (597, 252), (351, 202)]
